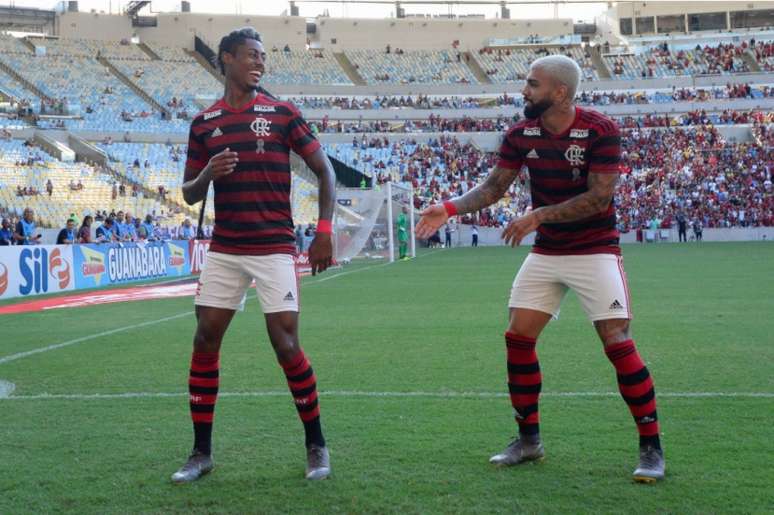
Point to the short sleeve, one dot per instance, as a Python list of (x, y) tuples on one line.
[(509, 155), (198, 156), (605, 154), (300, 137)]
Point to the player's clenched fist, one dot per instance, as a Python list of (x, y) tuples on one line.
[(223, 163), (432, 219)]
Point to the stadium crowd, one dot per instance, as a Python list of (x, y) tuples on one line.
[(109, 227), (764, 54), (727, 117), (436, 123), (697, 173), (590, 98), (703, 178)]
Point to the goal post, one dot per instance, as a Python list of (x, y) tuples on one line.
[(366, 223)]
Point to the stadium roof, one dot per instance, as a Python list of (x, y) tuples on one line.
[(576, 9)]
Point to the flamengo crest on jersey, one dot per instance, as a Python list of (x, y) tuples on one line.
[(261, 127), (574, 154)]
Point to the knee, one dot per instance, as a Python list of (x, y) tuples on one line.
[(285, 347), (284, 339), (613, 331), (206, 340)]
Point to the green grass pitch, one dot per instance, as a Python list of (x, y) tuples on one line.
[(412, 358)]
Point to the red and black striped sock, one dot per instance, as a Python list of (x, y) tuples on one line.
[(524, 382), (636, 387), (203, 389), (303, 386)]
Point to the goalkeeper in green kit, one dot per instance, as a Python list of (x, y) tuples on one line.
[(402, 224)]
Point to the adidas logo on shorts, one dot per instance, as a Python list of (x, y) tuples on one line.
[(615, 305), (289, 296)]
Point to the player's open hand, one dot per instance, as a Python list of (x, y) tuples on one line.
[(519, 228), (432, 219), (223, 163), (321, 253)]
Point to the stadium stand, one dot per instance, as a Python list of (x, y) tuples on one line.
[(27, 168), (512, 64), (167, 80), (86, 87), (171, 53), (664, 60), (12, 45), (590, 98), (724, 184), (410, 66), (763, 51), (118, 86), (435, 123), (89, 48), (153, 165), (304, 67), (304, 201)]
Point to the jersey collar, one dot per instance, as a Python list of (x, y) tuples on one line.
[(222, 104), (566, 131)]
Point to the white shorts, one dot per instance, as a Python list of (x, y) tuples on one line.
[(226, 278), (599, 281)]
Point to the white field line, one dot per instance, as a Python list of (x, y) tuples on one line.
[(334, 276), (20, 355), (379, 265), (396, 395)]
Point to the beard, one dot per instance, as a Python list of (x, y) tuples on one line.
[(535, 109)]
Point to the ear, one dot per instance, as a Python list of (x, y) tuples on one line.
[(226, 58), (562, 93)]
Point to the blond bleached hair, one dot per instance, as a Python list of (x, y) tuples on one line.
[(562, 69)]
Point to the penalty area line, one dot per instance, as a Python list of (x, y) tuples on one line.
[(365, 394)]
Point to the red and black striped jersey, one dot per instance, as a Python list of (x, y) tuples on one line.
[(252, 204), (559, 165)]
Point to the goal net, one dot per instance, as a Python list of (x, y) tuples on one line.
[(375, 223)]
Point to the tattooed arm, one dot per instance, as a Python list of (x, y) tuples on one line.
[(595, 200), (485, 194)]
